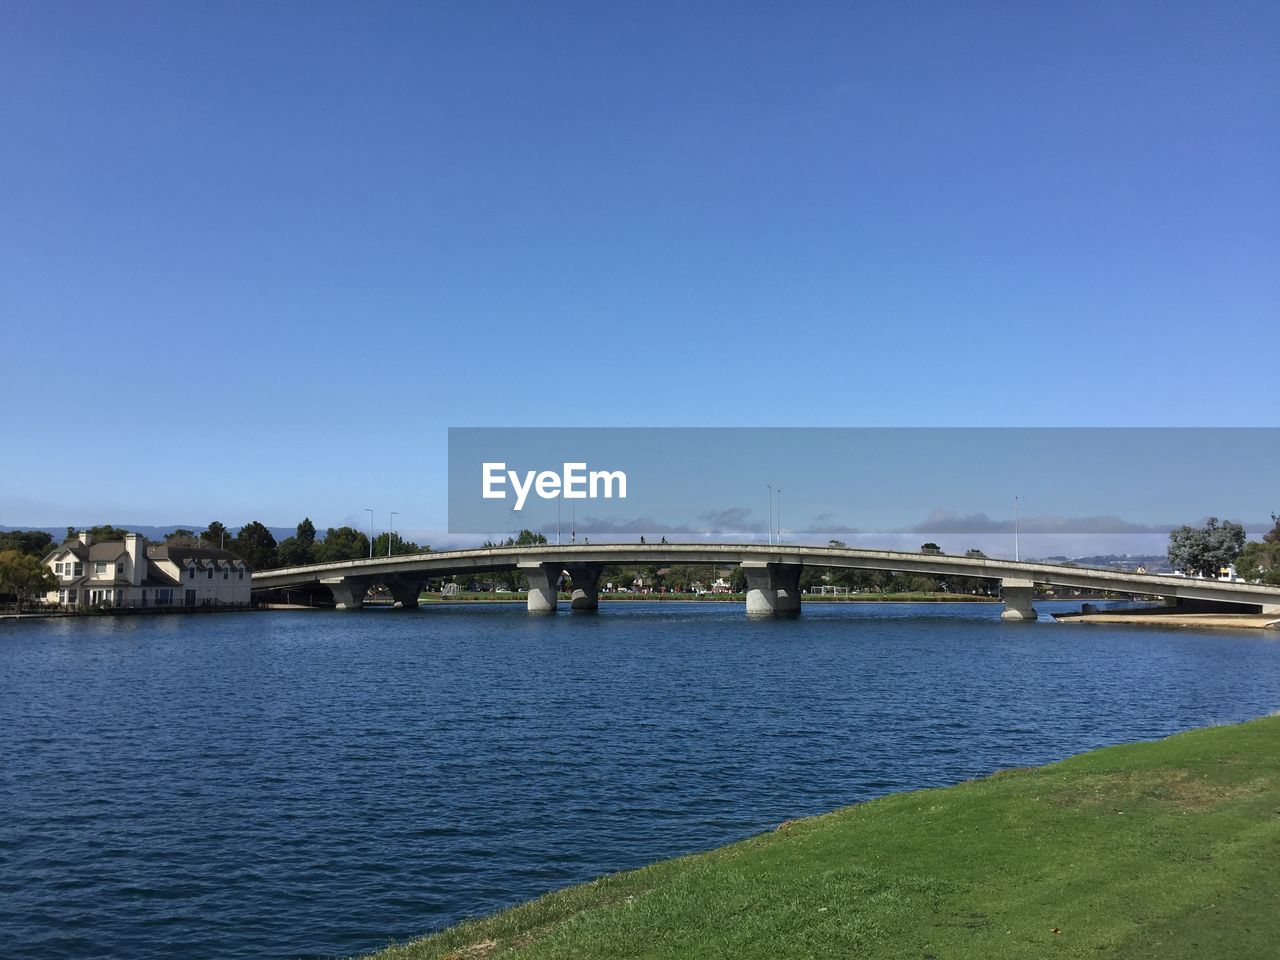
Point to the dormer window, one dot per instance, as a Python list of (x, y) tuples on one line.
[(119, 569), (100, 568), (240, 573), (210, 572), (191, 573)]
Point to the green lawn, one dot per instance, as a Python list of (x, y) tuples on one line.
[(1154, 850)]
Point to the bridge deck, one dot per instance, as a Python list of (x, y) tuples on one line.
[(424, 565)]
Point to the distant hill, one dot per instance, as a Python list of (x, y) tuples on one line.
[(1152, 563)]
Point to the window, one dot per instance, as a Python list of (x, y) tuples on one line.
[(191, 573), (226, 573), (240, 573), (210, 577), (119, 569), (62, 596), (100, 568), (71, 596), (79, 569), (164, 596), (59, 568)]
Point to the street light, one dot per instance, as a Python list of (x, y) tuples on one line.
[(769, 487), (779, 515), (391, 526), (1015, 528), (370, 510)]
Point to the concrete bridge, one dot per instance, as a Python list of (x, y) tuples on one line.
[(772, 574)]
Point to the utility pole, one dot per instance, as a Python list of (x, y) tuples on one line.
[(370, 509), (779, 515), (391, 526)]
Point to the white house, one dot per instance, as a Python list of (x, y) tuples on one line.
[(134, 573)]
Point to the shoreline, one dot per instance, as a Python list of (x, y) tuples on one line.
[(1174, 618), (1152, 849)]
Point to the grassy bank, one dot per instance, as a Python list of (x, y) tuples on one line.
[(1155, 850)]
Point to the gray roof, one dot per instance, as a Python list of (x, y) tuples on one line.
[(181, 555), (107, 550), (74, 547), (156, 577)]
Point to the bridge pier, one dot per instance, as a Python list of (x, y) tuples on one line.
[(586, 585), (1017, 599), (348, 592), (405, 591), (543, 578), (772, 587)]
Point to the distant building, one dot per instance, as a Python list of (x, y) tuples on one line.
[(134, 573)]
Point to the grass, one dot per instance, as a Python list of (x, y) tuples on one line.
[(1159, 850)]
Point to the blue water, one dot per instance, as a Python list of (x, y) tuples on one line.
[(314, 784)]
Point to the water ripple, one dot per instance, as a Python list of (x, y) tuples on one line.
[(284, 785)]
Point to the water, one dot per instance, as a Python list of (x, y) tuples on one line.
[(284, 785)]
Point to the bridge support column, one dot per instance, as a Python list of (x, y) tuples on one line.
[(1017, 600), (586, 585), (772, 587), (544, 578), (405, 592), (348, 592)]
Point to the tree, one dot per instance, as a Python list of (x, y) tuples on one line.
[(1203, 551), (1273, 535), (99, 533), (307, 532), (813, 578), (1260, 560), (182, 537), (292, 552), (217, 535), (24, 576), (255, 545), (399, 547), (35, 543), (343, 543)]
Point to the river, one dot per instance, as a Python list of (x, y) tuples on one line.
[(311, 784)]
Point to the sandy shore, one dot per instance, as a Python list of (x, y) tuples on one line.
[(1174, 618)]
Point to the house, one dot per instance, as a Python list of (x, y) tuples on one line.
[(134, 573)]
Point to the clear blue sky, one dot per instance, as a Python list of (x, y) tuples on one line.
[(256, 258)]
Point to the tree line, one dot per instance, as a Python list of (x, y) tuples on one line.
[(253, 543), (1208, 550)]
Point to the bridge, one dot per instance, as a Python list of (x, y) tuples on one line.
[(772, 574)]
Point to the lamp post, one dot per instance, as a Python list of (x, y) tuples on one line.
[(370, 510), (779, 515), (391, 526), (1016, 555), (769, 487)]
